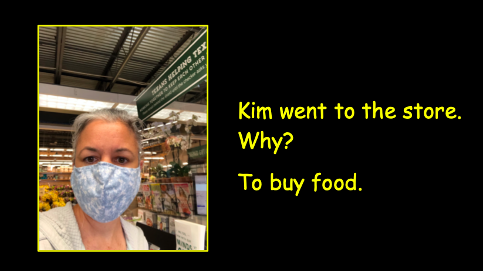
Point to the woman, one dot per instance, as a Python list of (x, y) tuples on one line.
[(105, 179), (182, 196)]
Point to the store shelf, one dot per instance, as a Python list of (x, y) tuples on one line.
[(175, 216)]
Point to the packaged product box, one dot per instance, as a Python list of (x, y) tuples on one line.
[(171, 227), (163, 222), (168, 199), (156, 197), (147, 196), (150, 219)]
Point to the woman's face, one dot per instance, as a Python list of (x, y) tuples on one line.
[(181, 193), (111, 142)]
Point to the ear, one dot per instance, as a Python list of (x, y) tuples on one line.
[(141, 164)]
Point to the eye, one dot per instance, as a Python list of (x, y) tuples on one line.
[(90, 159), (122, 160)]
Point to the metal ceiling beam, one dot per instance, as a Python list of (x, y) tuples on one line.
[(168, 55), (140, 37), (115, 54), (48, 126), (94, 77), (87, 50), (59, 53)]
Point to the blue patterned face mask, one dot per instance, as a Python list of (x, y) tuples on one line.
[(103, 190)]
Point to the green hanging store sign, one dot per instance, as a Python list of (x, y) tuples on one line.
[(197, 152), (181, 76)]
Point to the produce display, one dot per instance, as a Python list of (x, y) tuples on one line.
[(55, 196)]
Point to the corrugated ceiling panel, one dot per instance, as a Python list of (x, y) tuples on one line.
[(154, 46), (78, 82), (47, 51), (136, 71), (88, 48), (177, 53), (46, 78), (128, 44), (123, 89)]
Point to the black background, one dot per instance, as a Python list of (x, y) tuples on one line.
[(420, 207)]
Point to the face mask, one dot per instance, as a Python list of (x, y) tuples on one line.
[(103, 190)]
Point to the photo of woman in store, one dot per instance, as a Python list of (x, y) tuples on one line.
[(105, 180), (183, 202)]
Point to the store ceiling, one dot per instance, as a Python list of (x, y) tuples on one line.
[(91, 57)]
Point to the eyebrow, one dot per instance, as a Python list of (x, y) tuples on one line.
[(89, 148), (95, 150), (123, 149)]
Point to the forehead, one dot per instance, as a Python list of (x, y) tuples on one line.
[(107, 134)]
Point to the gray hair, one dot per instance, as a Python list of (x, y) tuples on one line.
[(109, 115)]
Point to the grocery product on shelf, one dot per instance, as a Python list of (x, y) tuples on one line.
[(150, 219), (156, 197), (163, 222), (147, 196), (182, 192), (171, 226), (168, 199), (152, 178), (141, 200)]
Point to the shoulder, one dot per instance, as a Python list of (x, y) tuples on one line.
[(44, 243), (59, 228), (57, 213), (134, 235)]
